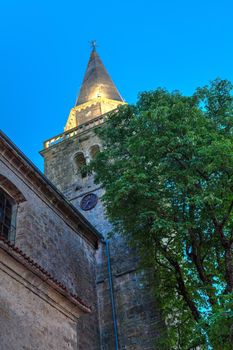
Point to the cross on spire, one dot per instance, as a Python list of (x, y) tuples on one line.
[(93, 45)]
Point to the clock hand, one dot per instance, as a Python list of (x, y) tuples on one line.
[(87, 203)]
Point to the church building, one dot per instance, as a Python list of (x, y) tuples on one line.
[(64, 283)]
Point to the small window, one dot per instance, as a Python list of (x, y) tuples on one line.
[(6, 212), (94, 150), (80, 162)]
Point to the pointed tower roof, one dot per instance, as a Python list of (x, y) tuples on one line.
[(97, 82), (98, 95)]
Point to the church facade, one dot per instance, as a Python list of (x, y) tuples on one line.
[(64, 283)]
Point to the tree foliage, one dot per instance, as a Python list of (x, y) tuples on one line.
[(167, 168)]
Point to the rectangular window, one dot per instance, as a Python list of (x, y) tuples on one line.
[(5, 214)]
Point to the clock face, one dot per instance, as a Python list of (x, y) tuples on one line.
[(89, 201)]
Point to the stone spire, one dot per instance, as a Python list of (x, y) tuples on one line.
[(98, 94), (97, 82)]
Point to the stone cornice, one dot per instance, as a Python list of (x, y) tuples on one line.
[(22, 268)]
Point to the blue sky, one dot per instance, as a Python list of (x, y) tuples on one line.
[(143, 44)]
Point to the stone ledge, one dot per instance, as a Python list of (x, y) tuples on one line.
[(23, 269)]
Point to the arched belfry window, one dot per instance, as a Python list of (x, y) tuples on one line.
[(6, 214), (94, 150), (80, 162)]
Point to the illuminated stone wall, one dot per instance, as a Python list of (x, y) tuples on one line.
[(90, 110)]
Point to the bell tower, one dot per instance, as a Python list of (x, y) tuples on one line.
[(98, 96), (133, 322)]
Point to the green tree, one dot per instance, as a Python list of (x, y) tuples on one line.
[(167, 168)]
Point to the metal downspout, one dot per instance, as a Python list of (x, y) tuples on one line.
[(112, 296)]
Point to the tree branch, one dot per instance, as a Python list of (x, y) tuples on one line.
[(227, 215), (180, 282)]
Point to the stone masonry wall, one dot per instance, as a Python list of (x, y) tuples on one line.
[(137, 314), (27, 322), (44, 236)]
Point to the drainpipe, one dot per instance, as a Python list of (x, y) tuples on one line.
[(112, 296)]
